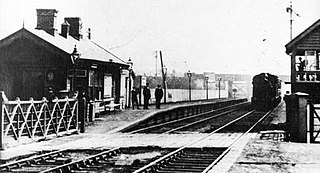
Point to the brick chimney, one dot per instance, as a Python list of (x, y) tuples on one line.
[(46, 20), (65, 29), (75, 27)]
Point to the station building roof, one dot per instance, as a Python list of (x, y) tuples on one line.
[(88, 49), (309, 39)]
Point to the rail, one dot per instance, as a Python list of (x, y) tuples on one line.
[(36, 120), (161, 161)]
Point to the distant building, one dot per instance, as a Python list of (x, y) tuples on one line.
[(34, 60)]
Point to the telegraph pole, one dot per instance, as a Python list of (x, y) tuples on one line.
[(164, 79), (156, 63)]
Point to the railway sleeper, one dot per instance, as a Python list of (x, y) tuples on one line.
[(43, 165), (174, 169), (106, 162), (29, 169), (78, 171), (207, 157), (194, 160), (189, 164), (202, 156), (94, 166), (57, 161), (205, 152), (184, 166), (160, 171)]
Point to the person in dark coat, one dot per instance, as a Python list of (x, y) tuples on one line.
[(135, 93), (146, 96), (158, 94), (50, 95)]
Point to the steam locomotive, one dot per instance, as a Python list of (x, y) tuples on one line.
[(266, 92)]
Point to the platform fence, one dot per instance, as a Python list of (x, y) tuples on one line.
[(36, 120)]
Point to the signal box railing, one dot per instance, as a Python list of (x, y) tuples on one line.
[(314, 121), (36, 120), (308, 76)]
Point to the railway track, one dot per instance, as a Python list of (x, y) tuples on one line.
[(58, 161), (82, 161), (172, 161), (184, 159)]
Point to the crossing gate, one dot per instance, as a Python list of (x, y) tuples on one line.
[(314, 121), (36, 120)]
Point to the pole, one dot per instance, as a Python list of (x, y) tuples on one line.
[(82, 112), (156, 63), (163, 79), (291, 20), (129, 101), (207, 89), (290, 10), (74, 78), (189, 88), (219, 87), (140, 89)]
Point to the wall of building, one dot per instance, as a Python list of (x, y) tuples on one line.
[(31, 69)]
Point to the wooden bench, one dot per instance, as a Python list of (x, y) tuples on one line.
[(106, 105)]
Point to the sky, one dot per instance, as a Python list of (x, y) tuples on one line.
[(220, 36)]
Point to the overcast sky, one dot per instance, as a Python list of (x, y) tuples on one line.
[(221, 36)]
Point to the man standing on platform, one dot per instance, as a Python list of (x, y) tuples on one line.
[(158, 94), (135, 93), (146, 96)]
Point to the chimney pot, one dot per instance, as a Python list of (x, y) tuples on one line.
[(46, 20), (65, 29), (75, 27)]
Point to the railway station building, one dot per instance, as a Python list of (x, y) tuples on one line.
[(32, 61), (304, 51)]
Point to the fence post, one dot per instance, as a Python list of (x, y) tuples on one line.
[(311, 122), (1, 125), (2, 98), (91, 111), (82, 113)]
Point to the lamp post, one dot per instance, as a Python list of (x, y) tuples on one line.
[(74, 57), (219, 79), (165, 84), (207, 79), (130, 63), (189, 74)]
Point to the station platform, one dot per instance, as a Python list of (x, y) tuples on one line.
[(255, 153)]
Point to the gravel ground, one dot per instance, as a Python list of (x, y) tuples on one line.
[(261, 155), (274, 156)]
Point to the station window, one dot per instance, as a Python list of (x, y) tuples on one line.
[(308, 62)]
